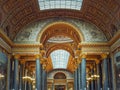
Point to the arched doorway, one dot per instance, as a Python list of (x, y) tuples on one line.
[(57, 79), (60, 79)]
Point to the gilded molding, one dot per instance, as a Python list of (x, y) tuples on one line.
[(115, 46), (5, 38), (17, 56), (104, 55), (83, 55), (37, 56), (115, 38), (5, 46)]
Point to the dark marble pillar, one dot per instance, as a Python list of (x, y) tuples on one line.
[(98, 80), (44, 82), (75, 80), (8, 73), (110, 74), (105, 72), (83, 72), (79, 77), (16, 76), (11, 74), (21, 75), (38, 74), (92, 81)]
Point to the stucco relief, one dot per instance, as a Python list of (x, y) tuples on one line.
[(90, 32)]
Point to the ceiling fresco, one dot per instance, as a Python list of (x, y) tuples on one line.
[(89, 31), (105, 14)]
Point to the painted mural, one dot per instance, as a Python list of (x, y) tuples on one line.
[(89, 31), (3, 70)]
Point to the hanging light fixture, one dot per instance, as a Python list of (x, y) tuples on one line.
[(93, 76), (28, 78), (1, 76)]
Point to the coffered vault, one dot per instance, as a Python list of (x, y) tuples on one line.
[(17, 14)]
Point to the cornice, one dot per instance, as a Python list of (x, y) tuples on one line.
[(115, 38), (5, 38), (93, 44), (25, 45), (5, 46)]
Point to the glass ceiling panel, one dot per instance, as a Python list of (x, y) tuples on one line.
[(60, 58), (60, 4)]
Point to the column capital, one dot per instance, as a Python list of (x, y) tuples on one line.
[(43, 60), (22, 62), (97, 61), (37, 56), (44, 66), (16, 56), (104, 55), (83, 55)]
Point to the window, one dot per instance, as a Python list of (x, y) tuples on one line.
[(60, 58), (60, 4)]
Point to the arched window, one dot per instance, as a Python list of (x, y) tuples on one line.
[(59, 75)]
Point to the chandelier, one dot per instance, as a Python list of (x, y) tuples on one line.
[(1, 76), (28, 78), (93, 77)]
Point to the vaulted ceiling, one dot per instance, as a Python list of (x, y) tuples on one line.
[(15, 14)]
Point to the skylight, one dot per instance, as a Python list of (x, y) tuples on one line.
[(60, 58), (60, 4)]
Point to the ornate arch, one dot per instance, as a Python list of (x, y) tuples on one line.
[(60, 46), (73, 32)]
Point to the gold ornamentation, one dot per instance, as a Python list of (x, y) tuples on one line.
[(17, 56), (104, 56), (83, 55)]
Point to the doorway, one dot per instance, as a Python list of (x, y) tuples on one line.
[(59, 87)]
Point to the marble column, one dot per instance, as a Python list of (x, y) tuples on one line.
[(83, 72), (16, 77), (38, 73), (45, 80), (110, 73), (21, 75), (98, 73), (79, 77), (11, 74), (8, 72), (75, 80), (105, 72), (92, 81), (44, 83)]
